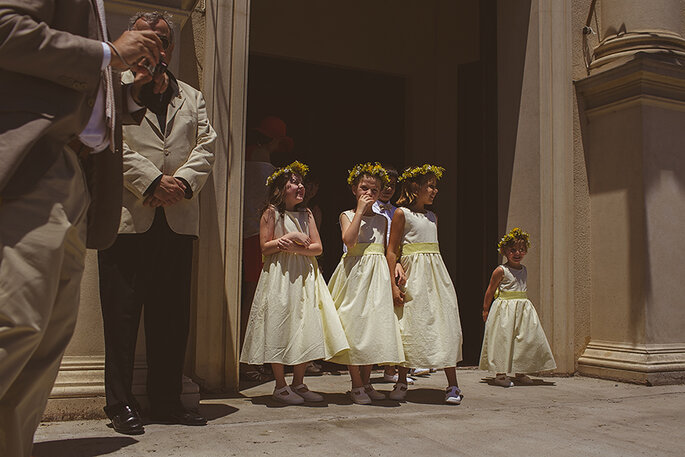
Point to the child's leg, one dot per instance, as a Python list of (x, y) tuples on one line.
[(355, 374), (402, 375), (298, 373), (279, 374), (365, 371), (451, 373)]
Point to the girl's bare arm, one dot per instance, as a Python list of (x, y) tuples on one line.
[(495, 281), (393, 251)]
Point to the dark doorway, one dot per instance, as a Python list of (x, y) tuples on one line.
[(338, 117), (404, 88)]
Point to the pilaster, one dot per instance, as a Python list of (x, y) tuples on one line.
[(633, 116)]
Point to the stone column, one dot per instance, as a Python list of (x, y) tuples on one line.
[(633, 129), (535, 156), (215, 338), (630, 26)]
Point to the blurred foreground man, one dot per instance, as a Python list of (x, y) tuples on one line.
[(60, 101), (167, 159)]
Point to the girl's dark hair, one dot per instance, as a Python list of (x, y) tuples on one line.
[(276, 194), (410, 188), (392, 171)]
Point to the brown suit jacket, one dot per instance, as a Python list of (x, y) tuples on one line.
[(50, 59)]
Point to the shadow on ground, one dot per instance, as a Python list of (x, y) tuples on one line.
[(212, 411), (82, 447), (536, 382), (329, 399)]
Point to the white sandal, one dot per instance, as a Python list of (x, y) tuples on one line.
[(287, 396), (359, 396), (303, 391)]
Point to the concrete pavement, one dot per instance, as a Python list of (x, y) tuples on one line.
[(574, 416)]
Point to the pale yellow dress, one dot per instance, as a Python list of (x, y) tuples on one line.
[(362, 293), (514, 341), (293, 319), (429, 320)]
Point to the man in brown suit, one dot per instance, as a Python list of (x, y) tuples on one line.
[(59, 98)]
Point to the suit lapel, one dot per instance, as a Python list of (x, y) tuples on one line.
[(174, 105), (151, 118)]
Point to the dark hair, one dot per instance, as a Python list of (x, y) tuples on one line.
[(276, 193), (392, 171), (410, 188), (153, 18)]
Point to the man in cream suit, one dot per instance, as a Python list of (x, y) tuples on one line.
[(167, 160), (58, 98)]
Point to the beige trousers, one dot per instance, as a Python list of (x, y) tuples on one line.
[(42, 250)]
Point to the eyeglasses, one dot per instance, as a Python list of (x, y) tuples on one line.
[(165, 41)]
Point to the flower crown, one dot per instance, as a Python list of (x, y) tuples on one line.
[(295, 167), (515, 234), (420, 171), (371, 169)]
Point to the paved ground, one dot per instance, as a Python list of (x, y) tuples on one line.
[(562, 417)]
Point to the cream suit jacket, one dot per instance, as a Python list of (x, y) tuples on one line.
[(186, 151)]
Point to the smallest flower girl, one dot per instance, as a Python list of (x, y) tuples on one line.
[(514, 340)]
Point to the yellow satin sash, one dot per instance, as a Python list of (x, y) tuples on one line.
[(366, 249), (420, 248)]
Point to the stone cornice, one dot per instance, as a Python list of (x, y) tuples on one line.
[(644, 76)]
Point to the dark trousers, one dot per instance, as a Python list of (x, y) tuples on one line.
[(151, 269)]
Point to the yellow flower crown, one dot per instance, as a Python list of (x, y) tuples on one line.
[(295, 167), (420, 171), (371, 169), (515, 234)]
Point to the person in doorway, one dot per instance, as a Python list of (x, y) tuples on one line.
[(167, 160), (292, 320), (514, 341), (360, 286), (61, 101), (427, 305)]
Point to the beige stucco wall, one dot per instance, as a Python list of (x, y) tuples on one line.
[(581, 220)]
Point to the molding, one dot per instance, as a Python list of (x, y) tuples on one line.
[(651, 364), (645, 75), (80, 377), (651, 41)]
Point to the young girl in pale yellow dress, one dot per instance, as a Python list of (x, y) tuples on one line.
[(293, 319), (427, 305), (514, 341), (360, 286)]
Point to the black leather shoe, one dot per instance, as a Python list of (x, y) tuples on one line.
[(125, 420), (179, 416)]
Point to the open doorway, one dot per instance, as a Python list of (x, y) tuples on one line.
[(338, 117), (402, 82)]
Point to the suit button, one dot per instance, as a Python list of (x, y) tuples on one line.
[(91, 102), (166, 152)]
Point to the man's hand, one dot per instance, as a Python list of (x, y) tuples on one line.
[(133, 46), (169, 191), (143, 77)]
